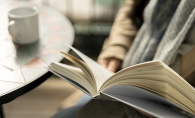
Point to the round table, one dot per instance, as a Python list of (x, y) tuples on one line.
[(22, 68)]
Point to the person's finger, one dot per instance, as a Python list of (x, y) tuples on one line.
[(113, 65), (103, 62)]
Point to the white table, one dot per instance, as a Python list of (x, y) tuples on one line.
[(23, 67)]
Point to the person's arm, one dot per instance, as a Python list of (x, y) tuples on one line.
[(121, 37)]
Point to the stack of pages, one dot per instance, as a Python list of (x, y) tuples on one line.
[(152, 86)]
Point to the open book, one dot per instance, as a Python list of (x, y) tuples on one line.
[(152, 86)]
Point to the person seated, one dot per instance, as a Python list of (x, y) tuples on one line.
[(143, 31)]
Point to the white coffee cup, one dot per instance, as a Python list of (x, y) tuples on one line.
[(23, 24)]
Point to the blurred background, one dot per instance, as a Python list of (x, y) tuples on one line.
[(92, 21)]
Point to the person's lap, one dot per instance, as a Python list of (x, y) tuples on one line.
[(72, 111), (68, 113), (93, 108)]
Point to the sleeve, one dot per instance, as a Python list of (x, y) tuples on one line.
[(122, 33)]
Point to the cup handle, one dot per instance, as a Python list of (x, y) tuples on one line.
[(12, 28)]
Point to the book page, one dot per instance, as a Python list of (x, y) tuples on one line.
[(73, 73), (83, 66), (71, 82), (101, 74)]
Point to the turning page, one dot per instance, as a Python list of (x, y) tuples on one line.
[(100, 73)]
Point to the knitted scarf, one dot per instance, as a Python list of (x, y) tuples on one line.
[(166, 26)]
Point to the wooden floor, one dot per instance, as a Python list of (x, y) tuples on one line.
[(41, 102)]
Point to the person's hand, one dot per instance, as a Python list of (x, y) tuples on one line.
[(111, 64)]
